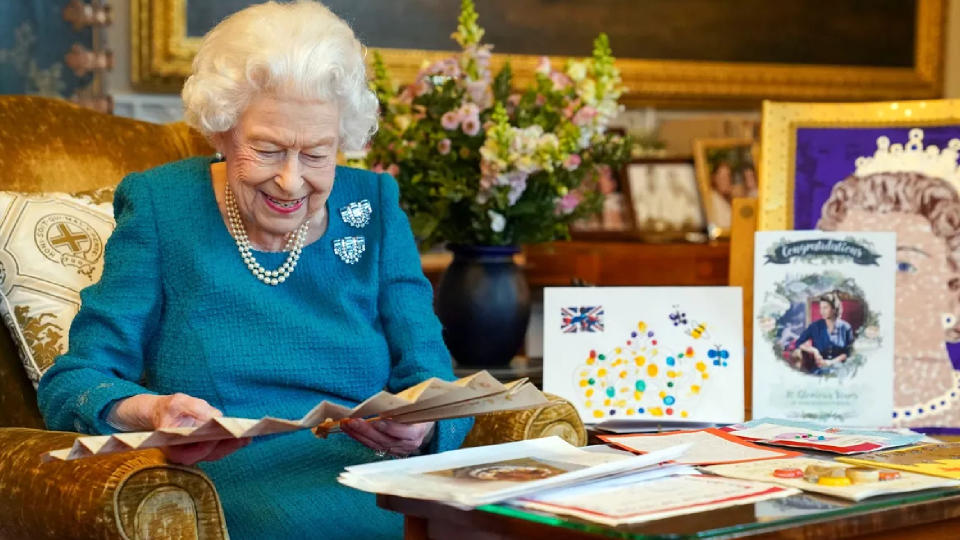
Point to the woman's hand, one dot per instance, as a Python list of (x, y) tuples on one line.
[(146, 412), (387, 436)]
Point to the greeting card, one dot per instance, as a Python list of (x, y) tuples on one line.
[(645, 354), (823, 326)]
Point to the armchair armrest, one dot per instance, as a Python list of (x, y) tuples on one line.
[(127, 495), (559, 419)]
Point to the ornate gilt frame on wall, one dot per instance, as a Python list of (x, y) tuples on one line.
[(162, 53), (779, 141)]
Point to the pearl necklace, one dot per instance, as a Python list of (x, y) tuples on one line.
[(944, 402), (294, 244)]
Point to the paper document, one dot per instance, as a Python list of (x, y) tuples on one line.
[(475, 476), (429, 401), (763, 471), (653, 499), (820, 436), (707, 446)]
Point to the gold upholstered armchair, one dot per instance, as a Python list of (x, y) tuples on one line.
[(52, 146)]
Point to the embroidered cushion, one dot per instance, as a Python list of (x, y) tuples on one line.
[(51, 247)]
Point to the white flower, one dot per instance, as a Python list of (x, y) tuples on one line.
[(577, 71), (543, 66), (497, 221)]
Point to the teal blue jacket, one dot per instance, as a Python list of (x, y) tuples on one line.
[(177, 310)]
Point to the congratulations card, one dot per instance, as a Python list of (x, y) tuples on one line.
[(823, 326), (647, 354)]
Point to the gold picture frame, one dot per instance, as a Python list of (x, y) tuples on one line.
[(781, 122), (162, 53), (741, 163)]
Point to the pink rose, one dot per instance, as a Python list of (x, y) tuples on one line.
[(541, 99), (479, 92), (571, 108), (560, 80), (584, 116), (572, 162), (421, 87), (471, 126), (450, 120), (444, 147), (469, 109), (569, 202)]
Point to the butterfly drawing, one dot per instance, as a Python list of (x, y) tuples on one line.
[(719, 355)]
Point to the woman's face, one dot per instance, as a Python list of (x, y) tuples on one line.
[(922, 276), (723, 179), (281, 160), (826, 310)]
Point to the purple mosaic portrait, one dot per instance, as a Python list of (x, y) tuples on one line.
[(924, 210)]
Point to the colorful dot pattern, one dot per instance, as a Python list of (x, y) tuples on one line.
[(646, 378)]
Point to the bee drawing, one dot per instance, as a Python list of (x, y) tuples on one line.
[(697, 330)]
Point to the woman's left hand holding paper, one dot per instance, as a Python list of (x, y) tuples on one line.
[(388, 437)]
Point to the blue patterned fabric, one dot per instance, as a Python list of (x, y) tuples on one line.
[(34, 39), (178, 310)]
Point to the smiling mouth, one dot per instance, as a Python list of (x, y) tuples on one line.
[(284, 205)]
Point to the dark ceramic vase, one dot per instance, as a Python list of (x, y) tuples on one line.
[(483, 302)]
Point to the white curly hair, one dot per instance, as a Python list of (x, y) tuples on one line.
[(298, 50)]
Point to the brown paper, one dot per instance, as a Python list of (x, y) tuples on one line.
[(428, 401)]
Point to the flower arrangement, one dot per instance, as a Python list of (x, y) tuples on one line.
[(480, 164)]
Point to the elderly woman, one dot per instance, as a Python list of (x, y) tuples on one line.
[(826, 341), (262, 284)]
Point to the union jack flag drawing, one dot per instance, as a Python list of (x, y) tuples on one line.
[(581, 319)]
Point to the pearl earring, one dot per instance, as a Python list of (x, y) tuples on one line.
[(218, 156)]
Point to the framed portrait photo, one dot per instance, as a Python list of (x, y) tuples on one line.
[(665, 199), (893, 167), (615, 220), (725, 170)]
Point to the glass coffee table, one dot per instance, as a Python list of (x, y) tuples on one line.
[(925, 514)]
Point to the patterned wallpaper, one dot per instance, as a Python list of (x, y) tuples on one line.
[(34, 41)]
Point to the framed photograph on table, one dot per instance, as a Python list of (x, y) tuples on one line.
[(725, 170), (665, 199), (886, 166), (615, 220)]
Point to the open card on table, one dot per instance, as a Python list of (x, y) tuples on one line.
[(821, 437), (647, 500), (707, 446), (431, 400), (645, 354), (823, 326), (762, 471), (471, 477), (932, 459)]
